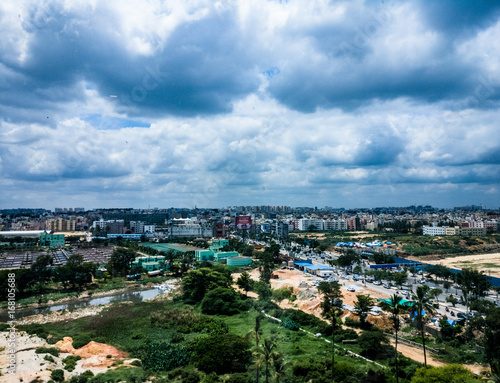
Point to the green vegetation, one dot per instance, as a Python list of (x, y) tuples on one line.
[(70, 362), (47, 350), (81, 340), (452, 373)]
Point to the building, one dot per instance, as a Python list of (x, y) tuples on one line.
[(151, 263), (433, 230), (52, 240), (60, 224), (335, 225), (306, 223), (137, 227), (189, 228)]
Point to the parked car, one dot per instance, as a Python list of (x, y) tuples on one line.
[(385, 285), (377, 283)]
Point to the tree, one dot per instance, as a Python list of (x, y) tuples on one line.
[(245, 282), (362, 306), (421, 300), (452, 373), (373, 343), (266, 355), (257, 333), (400, 278), (446, 285), (332, 308), (266, 266), (222, 301), (347, 259), (435, 293), (221, 353), (451, 299), (396, 307), (448, 332), (120, 261), (491, 340), (263, 290), (41, 271), (197, 283), (473, 285), (283, 293), (79, 273)]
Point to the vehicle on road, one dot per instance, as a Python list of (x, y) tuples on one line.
[(377, 283), (385, 285)]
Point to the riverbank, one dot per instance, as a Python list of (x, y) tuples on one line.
[(59, 297)]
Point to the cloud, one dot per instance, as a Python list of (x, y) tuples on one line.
[(210, 104)]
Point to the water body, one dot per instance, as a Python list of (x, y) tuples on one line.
[(129, 296)]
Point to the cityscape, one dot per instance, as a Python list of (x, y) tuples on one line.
[(265, 191)]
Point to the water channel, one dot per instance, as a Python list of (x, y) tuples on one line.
[(128, 296)]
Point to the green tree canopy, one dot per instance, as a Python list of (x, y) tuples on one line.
[(362, 306), (452, 373), (196, 283), (221, 353), (245, 282), (121, 261)]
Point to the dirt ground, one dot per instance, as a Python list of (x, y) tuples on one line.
[(30, 365), (489, 263)]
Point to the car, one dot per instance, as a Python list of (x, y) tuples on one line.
[(377, 283), (385, 285), (461, 315), (351, 289)]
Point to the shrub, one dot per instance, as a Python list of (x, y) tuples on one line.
[(221, 353), (57, 375), (161, 356), (81, 340), (136, 363), (70, 362), (290, 324), (186, 375), (47, 350), (224, 301), (49, 358)]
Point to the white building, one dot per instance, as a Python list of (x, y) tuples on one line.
[(433, 230)]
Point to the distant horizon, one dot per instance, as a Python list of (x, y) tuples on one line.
[(325, 207)]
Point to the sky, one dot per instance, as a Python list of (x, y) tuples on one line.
[(150, 103)]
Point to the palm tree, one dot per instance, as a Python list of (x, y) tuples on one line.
[(332, 308), (265, 354), (396, 307), (256, 332), (279, 366), (362, 306), (422, 302)]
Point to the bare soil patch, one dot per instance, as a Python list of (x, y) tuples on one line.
[(488, 263)]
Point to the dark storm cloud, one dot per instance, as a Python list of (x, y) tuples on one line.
[(460, 17), (201, 69)]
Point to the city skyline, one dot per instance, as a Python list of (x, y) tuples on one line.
[(152, 103)]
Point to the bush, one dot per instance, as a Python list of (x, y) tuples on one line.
[(70, 362), (47, 350), (290, 324), (81, 340), (186, 375), (374, 344), (57, 375), (221, 353), (223, 301), (161, 356), (49, 358)]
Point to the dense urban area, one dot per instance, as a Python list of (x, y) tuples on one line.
[(250, 294)]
